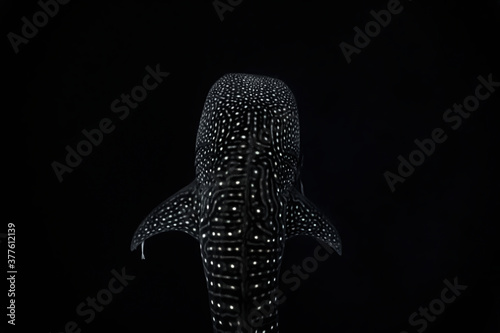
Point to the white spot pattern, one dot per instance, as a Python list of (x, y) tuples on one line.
[(242, 205)]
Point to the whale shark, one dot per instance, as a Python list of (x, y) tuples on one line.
[(244, 202)]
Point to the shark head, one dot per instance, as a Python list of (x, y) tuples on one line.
[(243, 205), (244, 113)]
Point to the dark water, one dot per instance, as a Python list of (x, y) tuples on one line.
[(402, 249)]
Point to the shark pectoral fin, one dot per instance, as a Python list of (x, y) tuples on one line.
[(179, 212), (302, 218)]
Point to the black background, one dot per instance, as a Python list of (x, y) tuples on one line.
[(355, 120)]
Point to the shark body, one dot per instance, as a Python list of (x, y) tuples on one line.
[(243, 204)]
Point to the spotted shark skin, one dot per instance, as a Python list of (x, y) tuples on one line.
[(243, 204)]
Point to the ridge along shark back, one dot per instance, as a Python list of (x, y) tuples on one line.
[(243, 204)]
